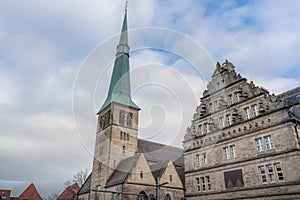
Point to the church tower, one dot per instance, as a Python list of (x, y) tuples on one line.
[(117, 131)]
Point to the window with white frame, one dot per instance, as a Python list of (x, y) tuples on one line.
[(237, 97), (226, 153), (200, 129), (271, 173), (215, 105), (203, 184), (208, 183), (263, 175), (247, 113), (269, 142), (254, 110), (229, 120), (259, 144), (222, 122), (229, 152), (201, 159), (206, 127), (232, 151), (204, 157), (198, 187), (198, 159), (263, 143), (230, 99)]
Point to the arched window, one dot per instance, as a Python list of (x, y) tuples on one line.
[(167, 197), (142, 196)]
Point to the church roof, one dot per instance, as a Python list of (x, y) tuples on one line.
[(85, 188), (159, 168), (119, 89), (123, 169), (156, 152)]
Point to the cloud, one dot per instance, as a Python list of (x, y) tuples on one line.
[(44, 43)]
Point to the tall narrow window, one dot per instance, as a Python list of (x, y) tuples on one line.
[(278, 172), (204, 158), (254, 110), (237, 97), (198, 159), (129, 120), (259, 144), (198, 187), (203, 183), (247, 113), (141, 174), (123, 150), (229, 120), (270, 173), (222, 123), (233, 151), (215, 105), (122, 117), (208, 183), (269, 143), (127, 136), (230, 99), (226, 153), (200, 129), (171, 178), (262, 172), (206, 127)]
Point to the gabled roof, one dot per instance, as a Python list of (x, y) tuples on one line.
[(30, 193), (159, 168), (69, 192), (123, 169), (85, 188), (156, 152)]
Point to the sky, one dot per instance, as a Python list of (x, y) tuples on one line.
[(56, 60)]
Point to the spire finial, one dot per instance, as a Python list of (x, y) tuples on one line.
[(126, 6)]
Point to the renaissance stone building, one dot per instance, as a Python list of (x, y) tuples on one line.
[(243, 142)]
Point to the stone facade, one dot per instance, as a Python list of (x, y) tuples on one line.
[(242, 143)]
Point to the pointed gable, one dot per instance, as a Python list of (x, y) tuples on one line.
[(141, 172), (171, 176), (30, 193), (69, 192)]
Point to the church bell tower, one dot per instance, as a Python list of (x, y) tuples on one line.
[(117, 130)]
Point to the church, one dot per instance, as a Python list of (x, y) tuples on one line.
[(243, 143)]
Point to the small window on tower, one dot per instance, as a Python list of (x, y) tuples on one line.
[(122, 117), (129, 119)]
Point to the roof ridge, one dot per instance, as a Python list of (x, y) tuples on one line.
[(162, 144)]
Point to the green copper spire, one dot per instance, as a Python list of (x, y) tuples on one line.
[(119, 89)]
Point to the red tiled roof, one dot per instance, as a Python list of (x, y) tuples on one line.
[(69, 192), (30, 193)]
